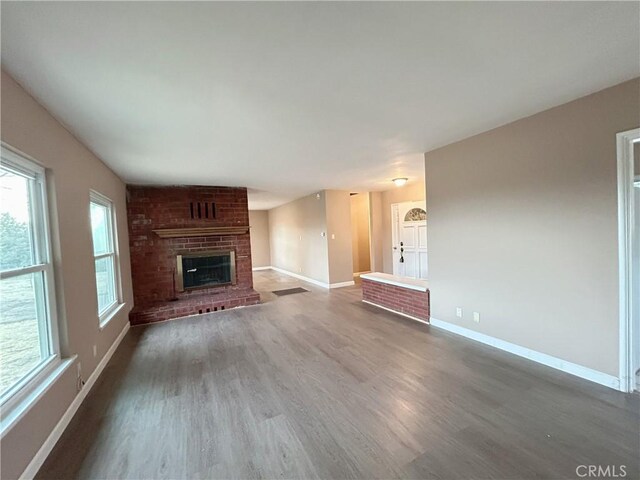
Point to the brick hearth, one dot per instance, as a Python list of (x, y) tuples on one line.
[(153, 259)]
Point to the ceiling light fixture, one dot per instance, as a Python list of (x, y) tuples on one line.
[(400, 181)]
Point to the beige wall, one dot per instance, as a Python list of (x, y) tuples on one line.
[(376, 231), (522, 228), (72, 171), (339, 236), (260, 246), (295, 236), (300, 235), (412, 191), (360, 233)]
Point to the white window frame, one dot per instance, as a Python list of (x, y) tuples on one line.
[(20, 392), (105, 316)]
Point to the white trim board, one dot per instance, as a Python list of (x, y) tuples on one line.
[(301, 277), (357, 274), (256, 269), (311, 280), (396, 312), (342, 284), (574, 369), (624, 152), (63, 423)]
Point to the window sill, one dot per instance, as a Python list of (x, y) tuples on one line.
[(110, 314), (16, 412)]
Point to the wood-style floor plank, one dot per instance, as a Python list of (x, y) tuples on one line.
[(320, 385)]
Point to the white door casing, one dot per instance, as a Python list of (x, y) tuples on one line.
[(628, 282), (409, 239)]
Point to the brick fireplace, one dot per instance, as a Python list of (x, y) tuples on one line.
[(169, 224)]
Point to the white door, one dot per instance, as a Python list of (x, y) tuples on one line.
[(409, 239)]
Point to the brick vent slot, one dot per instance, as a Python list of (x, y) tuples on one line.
[(200, 210)]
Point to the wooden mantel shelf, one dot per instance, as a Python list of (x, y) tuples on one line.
[(201, 231)]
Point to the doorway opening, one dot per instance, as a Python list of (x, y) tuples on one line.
[(628, 145), (361, 232)]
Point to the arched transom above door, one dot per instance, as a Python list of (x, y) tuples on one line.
[(415, 215)]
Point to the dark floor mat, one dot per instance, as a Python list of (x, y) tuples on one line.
[(289, 291)]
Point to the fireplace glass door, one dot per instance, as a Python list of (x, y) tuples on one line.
[(209, 269)]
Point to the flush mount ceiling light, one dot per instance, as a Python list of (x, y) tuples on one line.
[(400, 181)]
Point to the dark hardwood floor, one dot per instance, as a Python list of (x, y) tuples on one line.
[(319, 385)]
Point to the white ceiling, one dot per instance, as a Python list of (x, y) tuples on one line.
[(290, 98)]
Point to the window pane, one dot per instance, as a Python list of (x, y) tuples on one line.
[(16, 247), (105, 280), (23, 333), (100, 229)]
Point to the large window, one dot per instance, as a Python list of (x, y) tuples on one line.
[(105, 255), (28, 334)]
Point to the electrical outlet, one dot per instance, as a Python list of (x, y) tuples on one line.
[(333, 236), (95, 350), (476, 317), (79, 380), (458, 312)]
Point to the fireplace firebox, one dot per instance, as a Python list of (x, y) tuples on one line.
[(205, 270)]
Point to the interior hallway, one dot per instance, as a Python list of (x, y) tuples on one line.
[(318, 384)]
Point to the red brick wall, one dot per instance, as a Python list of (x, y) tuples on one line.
[(402, 300), (153, 259)]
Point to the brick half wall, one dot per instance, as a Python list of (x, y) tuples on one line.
[(412, 303)]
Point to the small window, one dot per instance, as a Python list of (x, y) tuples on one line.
[(415, 215), (105, 255), (28, 329)]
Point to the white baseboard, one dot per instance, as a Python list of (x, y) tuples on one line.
[(58, 430), (301, 277), (548, 360), (310, 280), (357, 274), (396, 312), (342, 284), (257, 269)]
